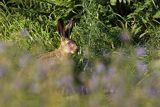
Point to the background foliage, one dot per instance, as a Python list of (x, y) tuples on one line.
[(117, 64)]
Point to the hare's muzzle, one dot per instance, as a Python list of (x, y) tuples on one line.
[(73, 48)]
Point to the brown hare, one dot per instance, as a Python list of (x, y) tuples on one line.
[(55, 67), (67, 46)]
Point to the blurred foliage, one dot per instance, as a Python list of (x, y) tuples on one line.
[(127, 79), (117, 63)]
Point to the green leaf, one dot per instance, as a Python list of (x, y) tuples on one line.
[(62, 2), (113, 2), (157, 15)]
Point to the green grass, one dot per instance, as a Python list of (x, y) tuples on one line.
[(117, 65)]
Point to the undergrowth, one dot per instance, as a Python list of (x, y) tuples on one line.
[(118, 62)]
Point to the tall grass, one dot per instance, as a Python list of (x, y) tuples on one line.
[(118, 62)]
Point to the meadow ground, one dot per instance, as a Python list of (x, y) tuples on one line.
[(118, 63)]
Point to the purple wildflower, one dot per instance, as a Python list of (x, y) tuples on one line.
[(2, 71), (140, 51), (124, 37), (82, 89), (109, 84), (100, 67), (18, 84), (66, 83), (35, 88), (111, 71), (151, 86), (23, 59), (141, 66), (152, 91), (93, 83), (40, 74), (2, 46), (24, 32)]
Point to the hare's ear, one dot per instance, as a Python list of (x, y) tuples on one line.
[(68, 29), (60, 27)]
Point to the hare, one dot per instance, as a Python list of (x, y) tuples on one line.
[(67, 46)]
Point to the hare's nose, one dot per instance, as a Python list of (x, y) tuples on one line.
[(72, 47)]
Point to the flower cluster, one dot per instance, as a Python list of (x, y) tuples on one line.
[(119, 79)]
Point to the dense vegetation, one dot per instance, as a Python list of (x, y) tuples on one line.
[(118, 63)]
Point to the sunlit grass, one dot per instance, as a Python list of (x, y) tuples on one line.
[(110, 69)]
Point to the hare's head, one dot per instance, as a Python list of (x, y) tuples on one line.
[(67, 45)]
